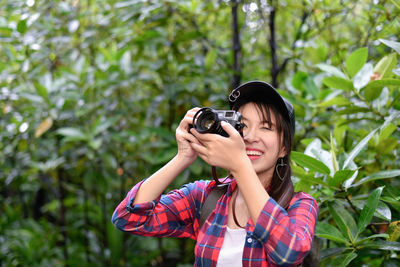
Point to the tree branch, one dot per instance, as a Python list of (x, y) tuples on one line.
[(236, 46), (272, 44), (275, 67)]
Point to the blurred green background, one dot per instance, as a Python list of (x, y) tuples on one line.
[(91, 93)]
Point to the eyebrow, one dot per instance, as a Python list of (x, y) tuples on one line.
[(262, 122)]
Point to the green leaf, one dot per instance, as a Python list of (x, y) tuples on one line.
[(330, 252), (310, 87), (395, 3), (330, 232), (73, 134), (338, 83), (356, 60), (387, 131), (95, 143), (341, 176), (344, 259), (338, 101), (394, 201), (41, 90), (362, 78), (383, 211), (383, 245), (309, 162), (331, 70), (298, 80), (386, 146), (371, 237), (358, 148), (22, 26), (374, 88), (299, 173), (339, 132), (391, 44), (353, 110), (369, 209), (101, 126), (385, 66), (378, 176), (344, 220), (302, 186)]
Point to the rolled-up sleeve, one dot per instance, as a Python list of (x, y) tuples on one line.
[(172, 214), (287, 235)]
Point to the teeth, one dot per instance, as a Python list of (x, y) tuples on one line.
[(254, 153)]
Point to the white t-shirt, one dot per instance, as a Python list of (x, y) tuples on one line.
[(231, 253)]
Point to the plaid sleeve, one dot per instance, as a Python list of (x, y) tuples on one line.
[(169, 215), (287, 235)]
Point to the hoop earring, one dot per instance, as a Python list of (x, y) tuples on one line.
[(280, 163)]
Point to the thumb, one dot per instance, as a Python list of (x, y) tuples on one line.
[(228, 128)]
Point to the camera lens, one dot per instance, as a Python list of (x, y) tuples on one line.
[(207, 124), (206, 121)]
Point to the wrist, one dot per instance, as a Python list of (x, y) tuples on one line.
[(241, 167), (183, 160)]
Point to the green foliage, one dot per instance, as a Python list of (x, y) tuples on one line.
[(354, 215), (91, 93)]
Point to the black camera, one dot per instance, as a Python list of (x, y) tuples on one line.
[(208, 120)]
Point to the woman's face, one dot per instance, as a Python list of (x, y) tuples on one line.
[(262, 140)]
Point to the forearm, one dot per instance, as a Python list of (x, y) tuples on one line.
[(155, 185), (251, 189)]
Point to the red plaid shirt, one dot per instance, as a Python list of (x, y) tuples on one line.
[(280, 237)]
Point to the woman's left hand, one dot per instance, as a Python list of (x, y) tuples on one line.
[(225, 152)]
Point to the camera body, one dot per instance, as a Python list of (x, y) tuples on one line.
[(208, 120)]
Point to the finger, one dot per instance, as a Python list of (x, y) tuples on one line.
[(188, 119), (189, 137), (192, 112), (202, 137), (200, 149), (229, 129)]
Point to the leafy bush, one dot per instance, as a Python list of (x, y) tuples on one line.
[(353, 171), (91, 93)]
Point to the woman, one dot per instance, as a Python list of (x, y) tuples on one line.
[(259, 221)]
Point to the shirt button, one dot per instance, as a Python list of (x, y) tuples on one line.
[(249, 240)]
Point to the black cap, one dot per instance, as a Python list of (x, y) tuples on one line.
[(256, 91)]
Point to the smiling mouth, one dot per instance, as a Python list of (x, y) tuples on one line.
[(254, 154)]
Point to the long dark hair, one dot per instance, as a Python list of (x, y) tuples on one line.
[(281, 187)]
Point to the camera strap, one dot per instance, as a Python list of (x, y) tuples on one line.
[(211, 202), (214, 175)]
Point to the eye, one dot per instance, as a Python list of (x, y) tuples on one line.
[(266, 127)]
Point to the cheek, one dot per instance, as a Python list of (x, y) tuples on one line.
[(273, 144)]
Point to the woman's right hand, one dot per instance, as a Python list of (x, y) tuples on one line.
[(184, 138)]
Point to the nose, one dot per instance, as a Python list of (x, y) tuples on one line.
[(250, 135)]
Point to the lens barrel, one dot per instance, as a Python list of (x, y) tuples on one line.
[(207, 121)]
